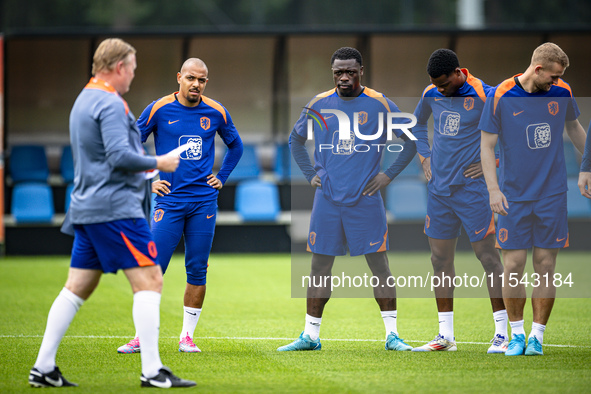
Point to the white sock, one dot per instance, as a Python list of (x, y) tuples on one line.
[(390, 322), (446, 325), (501, 319), (146, 317), (517, 328), (537, 330), (60, 316), (312, 327), (190, 319)]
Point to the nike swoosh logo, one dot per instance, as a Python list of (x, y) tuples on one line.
[(163, 385), (560, 240), (517, 113), (327, 117), (55, 383), (478, 232), (437, 99), (173, 121), (373, 243), (210, 216), (498, 320), (194, 314)]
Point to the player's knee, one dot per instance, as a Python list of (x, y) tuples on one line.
[(513, 266), (82, 282), (197, 278), (146, 278), (382, 271), (545, 266), (320, 271), (441, 263), (154, 282), (490, 261)]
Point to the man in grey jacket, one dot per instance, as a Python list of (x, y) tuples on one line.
[(109, 225)]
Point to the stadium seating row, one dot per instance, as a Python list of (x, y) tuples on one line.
[(29, 163), (256, 199), (285, 168), (32, 196)]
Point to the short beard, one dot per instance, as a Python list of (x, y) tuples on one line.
[(193, 100)]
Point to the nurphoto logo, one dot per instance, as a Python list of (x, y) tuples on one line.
[(344, 138)]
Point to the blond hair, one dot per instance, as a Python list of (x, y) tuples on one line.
[(549, 53), (109, 53)]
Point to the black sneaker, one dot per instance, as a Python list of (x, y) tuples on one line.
[(166, 379), (52, 379)]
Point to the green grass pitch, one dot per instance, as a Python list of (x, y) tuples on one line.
[(249, 312)]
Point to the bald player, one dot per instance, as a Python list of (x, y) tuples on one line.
[(186, 202)]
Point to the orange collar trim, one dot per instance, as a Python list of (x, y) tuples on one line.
[(97, 83)]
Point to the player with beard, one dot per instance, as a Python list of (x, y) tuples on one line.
[(187, 200), (348, 210)]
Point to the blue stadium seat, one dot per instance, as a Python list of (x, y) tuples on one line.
[(572, 159), (67, 164), (28, 163), (282, 161), (285, 166), (257, 200), (32, 202), (406, 199), (69, 189), (295, 173), (248, 167), (578, 206)]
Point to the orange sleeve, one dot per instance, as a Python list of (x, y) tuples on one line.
[(159, 104)]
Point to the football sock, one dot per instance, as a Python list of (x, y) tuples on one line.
[(312, 327), (146, 317), (390, 322), (190, 319), (446, 325), (537, 330), (517, 328), (501, 319), (60, 316)]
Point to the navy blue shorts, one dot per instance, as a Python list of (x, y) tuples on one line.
[(468, 205), (194, 220), (362, 227), (541, 223), (112, 246)]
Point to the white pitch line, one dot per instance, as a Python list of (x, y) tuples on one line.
[(266, 339)]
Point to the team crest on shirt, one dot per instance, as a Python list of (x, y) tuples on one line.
[(553, 107), (468, 103), (195, 151), (362, 117), (312, 238), (503, 235), (539, 135), (342, 147), (158, 215), (449, 123), (205, 122)]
